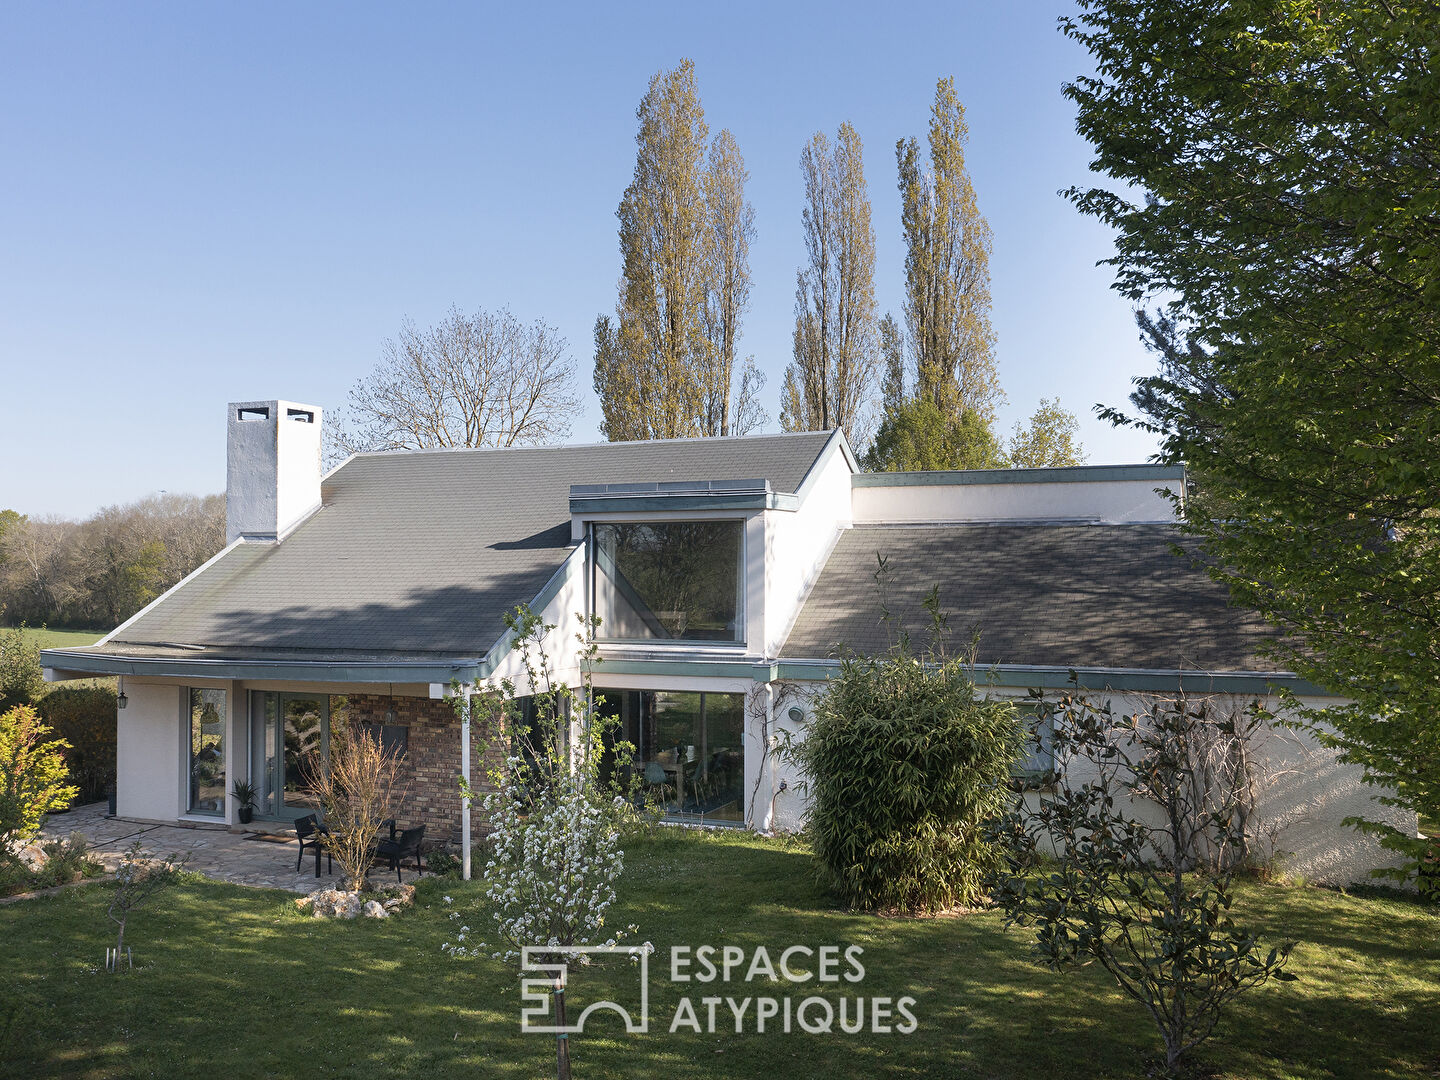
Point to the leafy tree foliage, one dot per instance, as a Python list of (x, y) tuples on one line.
[(22, 681), (1050, 439), (84, 715), (1123, 863), (919, 435), (665, 367), (559, 801), (100, 571), (1277, 169), (32, 776), (830, 381), (905, 762), (892, 357)]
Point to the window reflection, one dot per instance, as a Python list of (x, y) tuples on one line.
[(689, 750), (668, 580), (207, 752)]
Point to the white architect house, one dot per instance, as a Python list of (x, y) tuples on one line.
[(727, 574)]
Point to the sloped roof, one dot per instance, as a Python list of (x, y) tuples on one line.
[(420, 554), (1107, 596)]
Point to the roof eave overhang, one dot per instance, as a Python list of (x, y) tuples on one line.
[(1045, 677), (773, 500), (62, 664)]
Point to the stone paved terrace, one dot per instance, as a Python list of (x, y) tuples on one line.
[(235, 857)]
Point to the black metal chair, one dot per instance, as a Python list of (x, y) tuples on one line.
[(309, 832), (399, 848)]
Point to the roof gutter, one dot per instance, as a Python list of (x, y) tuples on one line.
[(64, 663), (1045, 677)]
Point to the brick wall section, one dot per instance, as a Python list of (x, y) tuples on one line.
[(430, 771)]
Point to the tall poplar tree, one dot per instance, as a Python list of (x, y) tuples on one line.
[(732, 228), (830, 381), (892, 357), (947, 268), (664, 368)]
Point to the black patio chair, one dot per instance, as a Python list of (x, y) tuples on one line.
[(309, 832), (399, 848)]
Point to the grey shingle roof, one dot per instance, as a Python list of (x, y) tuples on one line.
[(1055, 595), (421, 553)]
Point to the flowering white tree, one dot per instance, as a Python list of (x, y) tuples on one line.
[(556, 816), (551, 876)]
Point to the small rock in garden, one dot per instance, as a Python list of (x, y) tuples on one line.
[(375, 910)]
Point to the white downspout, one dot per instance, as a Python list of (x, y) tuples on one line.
[(465, 774)]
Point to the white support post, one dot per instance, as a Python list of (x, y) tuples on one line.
[(465, 772)]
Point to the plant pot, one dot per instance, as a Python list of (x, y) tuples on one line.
[(247, 815)]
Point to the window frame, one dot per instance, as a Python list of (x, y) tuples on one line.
[(1032, 712), (188, 717), (742, 615)]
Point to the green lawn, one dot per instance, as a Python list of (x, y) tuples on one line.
[(63, 639), (235, 983)]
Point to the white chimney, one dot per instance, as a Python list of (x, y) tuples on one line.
[(272, 476)]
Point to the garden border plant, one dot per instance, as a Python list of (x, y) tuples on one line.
[(905, 760), (1127, 859)]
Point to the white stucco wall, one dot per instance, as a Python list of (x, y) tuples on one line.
[(561, 646), (798, 543), (148, 753), (1304, 796), (1099, 500)]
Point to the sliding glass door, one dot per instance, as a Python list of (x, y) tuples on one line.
[(689, 750), (289, 748)]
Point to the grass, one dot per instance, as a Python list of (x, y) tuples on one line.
[(63, 639), (234, 980)]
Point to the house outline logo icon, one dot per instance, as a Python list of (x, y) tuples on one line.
[(535, 993)]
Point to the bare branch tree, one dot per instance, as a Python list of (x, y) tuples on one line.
[(358, 791), (471, 380)]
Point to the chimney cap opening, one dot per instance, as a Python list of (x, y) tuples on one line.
[(253, 412), (304, 416)]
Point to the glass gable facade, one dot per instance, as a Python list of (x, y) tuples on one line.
[(668, 580)]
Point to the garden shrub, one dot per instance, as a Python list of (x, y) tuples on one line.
[(442, 864), (85, 717), (66, 861), (905, 761), (32, 776), (1124, 862), (21, 679)]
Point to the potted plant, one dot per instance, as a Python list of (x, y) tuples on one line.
[(244, 793)]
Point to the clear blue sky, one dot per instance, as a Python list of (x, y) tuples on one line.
[(202, 203)]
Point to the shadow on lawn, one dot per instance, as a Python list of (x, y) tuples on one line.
[(237, 979)]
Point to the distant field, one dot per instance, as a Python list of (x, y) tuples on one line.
[(60, 639)]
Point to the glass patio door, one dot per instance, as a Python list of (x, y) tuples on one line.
[(305, 735), (290, 745)]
